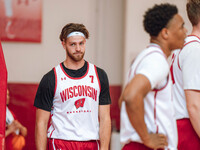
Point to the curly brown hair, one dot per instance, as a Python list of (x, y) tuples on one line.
[(72, 27), (157, 17), (193, 11)]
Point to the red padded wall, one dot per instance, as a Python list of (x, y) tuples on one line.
[(21, 103), (115, 92)]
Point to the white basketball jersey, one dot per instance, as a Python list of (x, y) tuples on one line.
[(74, 115), (158, 106), (177, 79)]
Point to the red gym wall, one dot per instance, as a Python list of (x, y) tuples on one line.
[(21, 103)]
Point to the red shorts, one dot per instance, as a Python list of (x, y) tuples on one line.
[(57, 144), (187, 137), (135, 146)]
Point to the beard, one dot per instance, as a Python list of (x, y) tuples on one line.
[(77, 56)]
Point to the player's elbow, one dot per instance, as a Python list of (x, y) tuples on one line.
[(133, 103), (130, 97)]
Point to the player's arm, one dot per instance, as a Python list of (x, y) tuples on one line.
[(11, 128), (16, 125), (120, 100), (43, 103), (105, 126), (22, 129), (133, 96), (42, 118), (104, 110), (191, 74), (122, 93), (193, 106)]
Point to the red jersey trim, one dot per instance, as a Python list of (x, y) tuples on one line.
[(54, 69), (73, 77), (155, 111), (183, 47), (194, 35), (159, 48), (52, 131), (97, 78), (172, 69), (129, 74)]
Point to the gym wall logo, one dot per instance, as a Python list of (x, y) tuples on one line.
[(20, 20), (79, 103)]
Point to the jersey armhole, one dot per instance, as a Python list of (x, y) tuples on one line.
[(160, 89), (54, 69), (95, 68)]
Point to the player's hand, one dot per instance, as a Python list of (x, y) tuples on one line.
[(13, 126), (21, 128), (156, 141), (17, 124)]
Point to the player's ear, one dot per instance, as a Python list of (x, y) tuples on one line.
[(164, 33), (64, 44)]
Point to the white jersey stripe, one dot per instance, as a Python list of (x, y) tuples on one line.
[(53, 144), (97, 144)]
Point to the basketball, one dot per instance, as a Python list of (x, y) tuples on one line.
[(18, 142)]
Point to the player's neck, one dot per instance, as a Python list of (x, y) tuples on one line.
[(70, 64), (162, 45), (196, 30)]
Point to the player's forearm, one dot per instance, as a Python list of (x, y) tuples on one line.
[(105, 133), (194, 114), (41, 136), (135, 111), (23, 131), (11, 128), (8, 132), (193, 106)]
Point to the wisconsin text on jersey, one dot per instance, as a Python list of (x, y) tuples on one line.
[(80, 90)]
